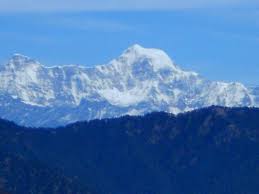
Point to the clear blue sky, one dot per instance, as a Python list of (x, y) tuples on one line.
[(219, 40)]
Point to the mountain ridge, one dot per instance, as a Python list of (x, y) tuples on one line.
[(210, 150), (139, 81)]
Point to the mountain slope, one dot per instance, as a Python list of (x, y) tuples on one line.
[(21, 176), (22, 173), (137, 82), (212, 150)]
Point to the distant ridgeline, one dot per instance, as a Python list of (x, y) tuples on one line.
[(139, 81), (208, 151)]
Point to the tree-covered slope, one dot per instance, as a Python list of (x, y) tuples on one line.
[(208, 151), (22, 173)]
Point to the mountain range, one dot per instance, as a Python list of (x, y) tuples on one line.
[(139, 81)]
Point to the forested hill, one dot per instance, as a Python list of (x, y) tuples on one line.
[(208, 151)]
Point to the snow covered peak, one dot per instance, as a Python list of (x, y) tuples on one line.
[(19, 56), (135, 47), (155, 58), (139, 81), (19, 61)]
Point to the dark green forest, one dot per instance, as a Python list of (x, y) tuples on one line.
[(212, 150)]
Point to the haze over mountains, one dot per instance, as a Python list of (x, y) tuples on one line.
[(139, 81)]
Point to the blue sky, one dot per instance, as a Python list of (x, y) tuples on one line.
[(218, 39)]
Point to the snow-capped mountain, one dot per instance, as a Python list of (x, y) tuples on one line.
[(141, 80)]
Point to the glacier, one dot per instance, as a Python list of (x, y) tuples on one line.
[(139, 81)]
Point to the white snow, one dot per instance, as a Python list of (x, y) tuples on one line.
[(140, 80)]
